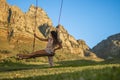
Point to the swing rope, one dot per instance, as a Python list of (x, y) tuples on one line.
[(60, 12), (34, 30)]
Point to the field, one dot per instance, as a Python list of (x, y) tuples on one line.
[(67, 66), (63, 70)]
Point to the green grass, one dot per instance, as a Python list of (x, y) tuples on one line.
[(63, 70)]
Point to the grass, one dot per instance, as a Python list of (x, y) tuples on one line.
[(67, 66), (63, 70)]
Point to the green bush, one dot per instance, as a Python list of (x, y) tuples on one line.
[(5, 51)]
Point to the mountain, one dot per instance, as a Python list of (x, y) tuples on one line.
[(109, 47), (16, 31)]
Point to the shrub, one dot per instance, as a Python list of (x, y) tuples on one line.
[(5, 51)]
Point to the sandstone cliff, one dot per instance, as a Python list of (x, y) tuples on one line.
[(108, 48), (71, 45), (19, 26)]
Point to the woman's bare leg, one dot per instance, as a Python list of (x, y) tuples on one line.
[(39, 53), (50, 60)]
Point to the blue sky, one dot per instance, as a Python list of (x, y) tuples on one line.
[(90, 20)]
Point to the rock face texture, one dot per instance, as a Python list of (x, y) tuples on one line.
[(3, 9), (15, 23), (22, 22), (71, 45), (108, 48)]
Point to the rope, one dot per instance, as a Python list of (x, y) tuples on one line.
[(36, 21), (35, 25), (60, 12)]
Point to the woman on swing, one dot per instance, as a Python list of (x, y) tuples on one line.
[(52, 45)]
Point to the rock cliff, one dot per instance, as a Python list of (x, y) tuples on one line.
[(70, 44)]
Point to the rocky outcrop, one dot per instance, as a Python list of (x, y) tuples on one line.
[(108, 48), (20, 24), (74, 46), (3, 11), (41, 18)]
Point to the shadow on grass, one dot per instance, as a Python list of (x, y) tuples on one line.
[(88, 74), (8, 66), (16, 66), (77, 63)]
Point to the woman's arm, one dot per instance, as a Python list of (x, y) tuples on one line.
[(40, 38), (59, 47)]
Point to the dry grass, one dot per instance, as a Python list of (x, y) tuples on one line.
[(65, 70)]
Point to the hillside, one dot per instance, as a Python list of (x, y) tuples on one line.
[(108, 48)]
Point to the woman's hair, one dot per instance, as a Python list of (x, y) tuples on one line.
[(55, 37), (58, 26)]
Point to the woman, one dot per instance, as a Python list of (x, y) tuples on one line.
[(52, 45)]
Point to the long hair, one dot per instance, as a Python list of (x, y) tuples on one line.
[(54, 36)]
